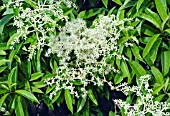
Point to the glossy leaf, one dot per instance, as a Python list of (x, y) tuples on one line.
[(105, 2), (157, 74), (36, 76), (19, 108), (27, 95), (161, 8), (125, 69), (81, 103), (149, 44), (68, 99), (165, 62), (3, 21), (2, 99), (92, 97), (138, 69)]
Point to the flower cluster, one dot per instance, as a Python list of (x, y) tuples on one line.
[(85, 52), (145, 103), (40, 20)]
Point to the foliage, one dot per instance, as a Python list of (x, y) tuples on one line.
[(92, 46)]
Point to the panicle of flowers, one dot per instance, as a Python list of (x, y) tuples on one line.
[(85, 52), (40, 20), (145, 102)]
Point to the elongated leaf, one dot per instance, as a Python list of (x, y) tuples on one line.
[(154, 50), (157, 89), (3, 61), (81, 14), (2, 68), (160, 97), (157, 74), (105, 2), (58, 93), (165, 62), (68, 99), (92, 97), (12, 38), (118, 78), (161, 8), (150, 19), (93, 12), (136, 53), (117, 2), (36, 90), (149, 44), (12, 77), (153, 15), (139, 3), (138, 69), (2, 52), (125, 69), (3, 21), (35, 76), (3, 99), (27, 95), (19, 109), (31, 3), (81, 103)]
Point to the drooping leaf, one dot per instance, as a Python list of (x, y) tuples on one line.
[(35, 76), (31, 3), (157, 74), (19, 108), (3, 61), (105, 2), (136, 52), (157, 89), (125, 69), (12, 38), (165, 62), (68, 99), (3, 99), (161, 8), (3, 21), (81, 103), (92, 97), (138, 5), (27, 95), (117, 2), (138, 69), (149, 44)]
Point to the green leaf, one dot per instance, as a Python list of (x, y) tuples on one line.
[(139, 3), (150, 19), (82, 14), (3, 99), (153, 15), (165, 62), (3, 61), (154, 50), (2, 53), (149, 44), (2, 91), (3, 21), (92, 97), (166, 83), (68, 99), (31, 3), (27, 95), (157, 89), (36, 76), (105, 2), (138, 69), (19, 109), (2, 68), (117, 2), (157, 74), (93, 12), (136, 52), (118, 78), (36, 90), (160, 97), (58, 93), (81, 103), (12, 77), (125, 69), (12, 38), (112, 113), (161, 8)]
